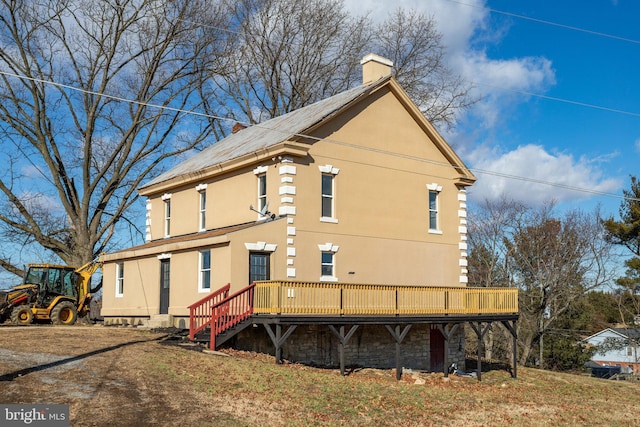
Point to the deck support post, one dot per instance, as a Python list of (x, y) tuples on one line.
[(447, 330), (480, 333), (511, 327), (342, 339), (278, 339), (398, 336)]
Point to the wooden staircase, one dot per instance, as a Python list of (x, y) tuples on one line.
[(221, 316)]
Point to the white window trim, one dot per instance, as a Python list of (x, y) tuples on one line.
[(260, 170), (329, 247), (202, 210), (167, 218), (437, 189), (262, 199), (261, 246), (119, 280), (202, 289), (330, 170)]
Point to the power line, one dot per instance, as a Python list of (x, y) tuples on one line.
[(542, 21), (104, 95), (566, 101), (343, 143)]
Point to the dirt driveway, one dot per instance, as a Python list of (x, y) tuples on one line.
[(101, 373)]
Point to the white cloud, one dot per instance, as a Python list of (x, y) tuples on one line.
[(526, 172), (495, 80), (636, 145), (500, 83)]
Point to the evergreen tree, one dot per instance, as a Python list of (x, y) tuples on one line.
[(626, 232)]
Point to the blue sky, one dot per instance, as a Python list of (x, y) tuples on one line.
[(532, 77)]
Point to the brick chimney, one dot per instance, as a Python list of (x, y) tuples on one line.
[(375, 67), (237, 127)]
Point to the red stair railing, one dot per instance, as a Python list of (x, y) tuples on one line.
[(200, 311), (231, 311)]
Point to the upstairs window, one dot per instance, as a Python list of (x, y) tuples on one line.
[(167, 218), (202, 212), (119, 279), (262, 191), (328, 193), (434, 208), (166, 198)]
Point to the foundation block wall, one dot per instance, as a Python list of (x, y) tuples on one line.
[(370, 346)]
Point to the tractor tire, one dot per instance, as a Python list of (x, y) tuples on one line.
[(64, 313), (22, 315)]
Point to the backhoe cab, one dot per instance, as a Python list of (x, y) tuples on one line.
[(52, 292)]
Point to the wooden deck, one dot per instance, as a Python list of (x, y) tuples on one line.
[(344, 307), (331, 299)]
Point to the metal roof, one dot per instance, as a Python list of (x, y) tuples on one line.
[(265, 134)]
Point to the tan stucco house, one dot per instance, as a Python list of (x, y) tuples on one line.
[(358, 188)]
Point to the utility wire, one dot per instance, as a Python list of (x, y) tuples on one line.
[(542, 21), (343, 143), (566, 101)]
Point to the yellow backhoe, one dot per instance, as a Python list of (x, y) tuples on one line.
[(50, 292)]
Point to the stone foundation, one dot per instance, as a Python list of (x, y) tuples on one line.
[(371, 346)]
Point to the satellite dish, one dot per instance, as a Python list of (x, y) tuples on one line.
[(264, 211)]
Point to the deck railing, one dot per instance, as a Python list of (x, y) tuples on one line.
[(285, 297), (200, 311), (231, 311)]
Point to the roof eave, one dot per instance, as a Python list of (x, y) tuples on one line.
[(284, 148)]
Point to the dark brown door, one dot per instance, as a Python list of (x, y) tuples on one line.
[(164, 286), (436, 350)]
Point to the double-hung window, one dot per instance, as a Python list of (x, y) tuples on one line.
[(327, 266), (202, 209), (328, 262), (167, 214), (328, 193), (434, 208), (202, 206), (119, 279), (204, 279), (262, 192), (261, 174)]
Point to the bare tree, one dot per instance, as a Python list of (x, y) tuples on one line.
[(412, 41), (552, 260), (74, 150), (488, 261), (94, 98), (287, 54), (284, 54)]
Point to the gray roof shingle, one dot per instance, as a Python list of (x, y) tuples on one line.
[(266, 134)]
